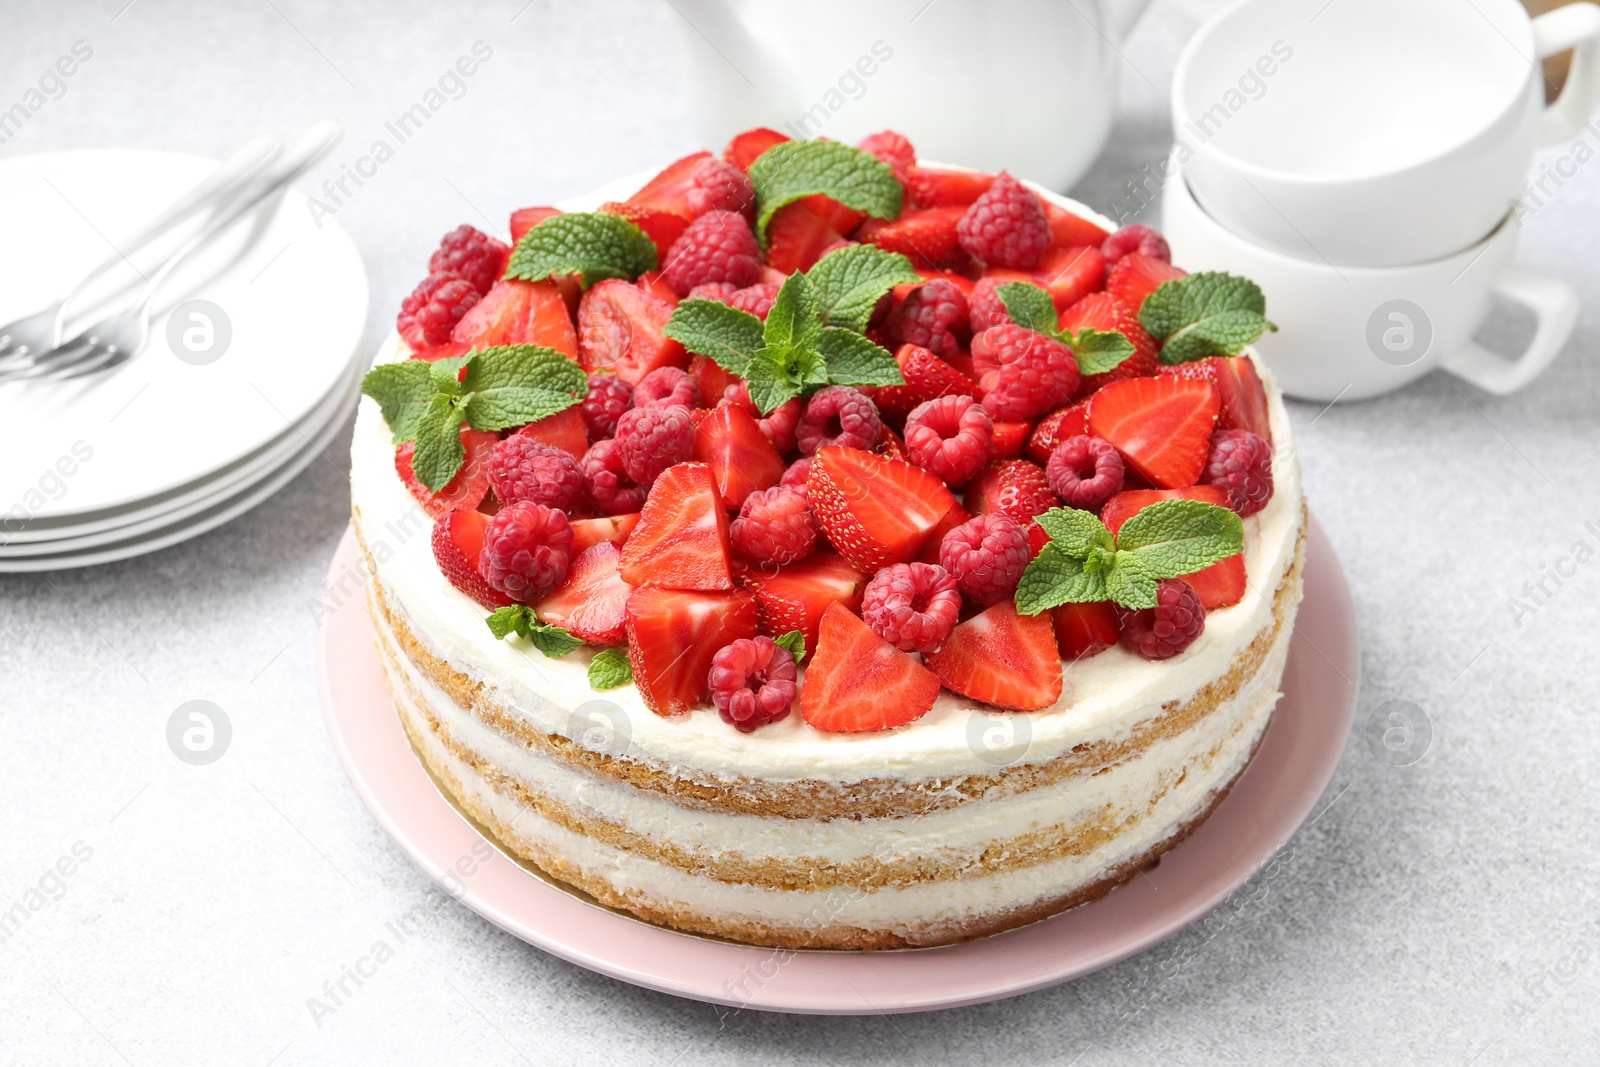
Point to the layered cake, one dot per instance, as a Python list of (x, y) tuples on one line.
[(822, 549)]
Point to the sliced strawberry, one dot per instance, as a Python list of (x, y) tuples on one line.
[(448, 350), (1060, 424), (1009, 438), (1162, 426), (565, 430), (1002, 658), (1084, 630), (1070, 273), (742, 460), (609, 528), (682, 538), (515, 312), (840, 219), (927, 378), (796, 237), (526, 218), (673, 635), (957, 515), (463, 492), (1067, 229), (1012, 487), (457, 544), (1217, 586), (955, 278), (591, 602), (668, 190), (876, 510), (662, 227), (1136, 276), (926, 236), (794, 596), (655, 283), (1244, 398), (712, 379), (1101, 311), (858, 682), (934, 187), (746, 147), (619, 330)]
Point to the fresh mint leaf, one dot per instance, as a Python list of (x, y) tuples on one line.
[(512, 385), (446, 373), (794, 642), (1076, 531), (1099, 351), (725, 335), (439, 451), (1055, 577), (513, 619), (1171, 538), (594, 245), (795, 322), (554, 641), (1129, 584), (792, 170), (609, 669), (850, 281), (403, 391), (770, 387), (1030, 307), (854, 360), (1207, 314)]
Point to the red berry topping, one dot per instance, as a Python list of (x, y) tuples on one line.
[(1022, 374), (721, 292), (775, 526), (729, 440), (1136, 238), (1168, 628), (666, 385), (796, 474), (892, 148), (779, 424), (650, 440), (718, 186), (1241, 463), (1001, 658), (473, 255), (986, 556), (1012, 487), (932, 187), (838, 415), (681, 540), (610, 489), (1085, 472), (1136, 276), (619, 330), (934, 316), (984, 306), (1102, 311), (515, 312), (591, 603), (875, 509), (1006, 226), (1220, 585), (1084, 630), (673, 636), (526, 550), (1056, 427), (1239, 388), (564, 430), (951, 437), (609, 396), (717, 247), (457, 544), (1162, 426), (756, 299), (913, 606), (434, 307), (753, 682), (521, 468), (463, 492), (927, 377), (929, 237), (858, 682)]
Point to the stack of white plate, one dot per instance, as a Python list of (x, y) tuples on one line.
[(253, 364)]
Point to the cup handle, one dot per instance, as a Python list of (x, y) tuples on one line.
[(1576, 26), (1555, 305)]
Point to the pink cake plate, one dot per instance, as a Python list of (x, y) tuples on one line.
[(1270, 801)]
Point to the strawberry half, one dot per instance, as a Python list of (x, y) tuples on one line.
[(609, 528), (1009, 439), (565, 430), (1084, 630), (463, 492), (526, 218), (1136, 276), (796, 237), (926, 236), (590, 603), (682, 538), (746, 147), (662, 227), (1067, 229), (858, 682), (839, 217), (434, 353), (742, 460), (1002, 658), (655, 283), (957, 515), (712, 379), (673, 635), (1060, 424), (1162, 426), (1070, 273), (794, 596), (669, 189), (933, 187), (1217, 586), (457, 543), (876, 510), (515, 312), (1244, 398), (619, 330), (927, 378), (1014, 487), (1102, 311)]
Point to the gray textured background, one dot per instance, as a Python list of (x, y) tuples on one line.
[(1443, 912)]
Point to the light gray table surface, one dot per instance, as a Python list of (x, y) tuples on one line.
[(1442, 912)]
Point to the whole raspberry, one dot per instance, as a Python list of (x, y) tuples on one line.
[(1168, 628), (986, 555), (752, 682), (892, 148), (797, 473), (1022, 374), (934, 316), (913, 606), (666, 385), (717, 247), (1006, 226), (526, 549), (521, 468), (1241, 463), (715, 185), (774, 526), (950, 437), (756, 299), (721, 292), (1136, 238), (472, 254), (1085, 472), (610, 489), (650, 440), (838, 415), (609, 396), (434, 307), (984, 306)]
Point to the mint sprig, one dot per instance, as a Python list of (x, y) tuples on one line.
[(591, 244), (793, 170), (609, 669), (794, 642), (492, 389), (1084, 562), (554, 641), (850, 281), (1030, 306), (1207, 314)]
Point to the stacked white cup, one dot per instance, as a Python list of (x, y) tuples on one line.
[(1364, 162)]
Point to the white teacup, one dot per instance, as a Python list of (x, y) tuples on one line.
[(1374, 132), (1353, 332)]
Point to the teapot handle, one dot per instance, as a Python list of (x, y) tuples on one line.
[(1576, 26)]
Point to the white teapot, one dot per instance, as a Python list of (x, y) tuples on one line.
[(1029, 87)]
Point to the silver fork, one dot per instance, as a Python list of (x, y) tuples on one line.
[(119, 338), (41, 331)]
